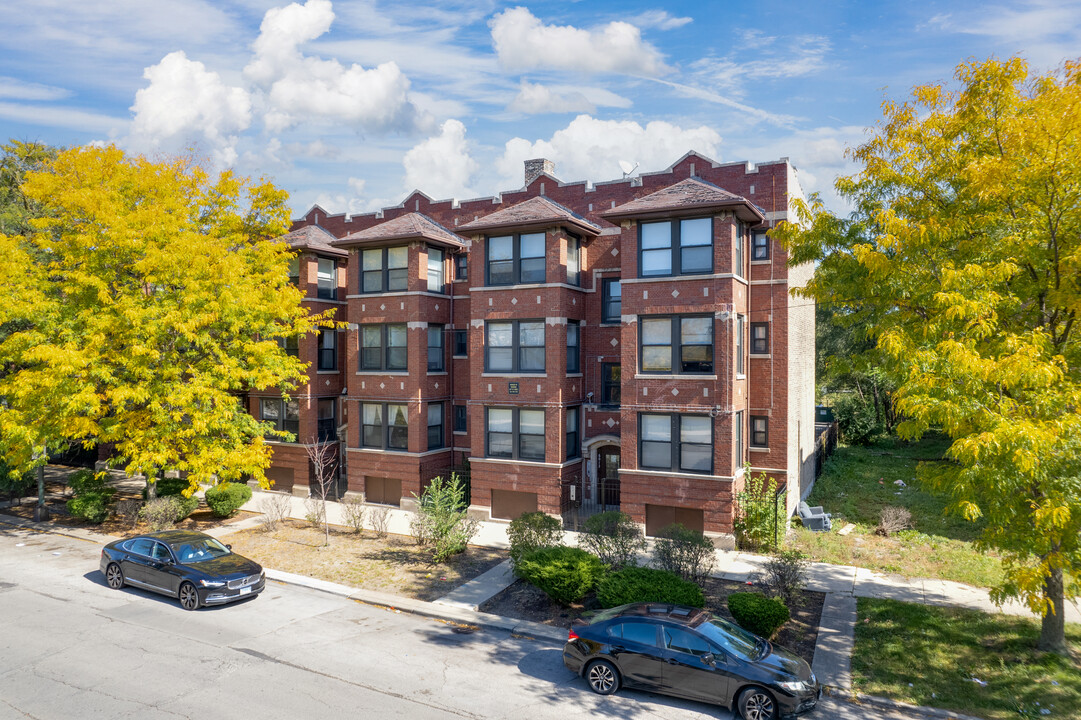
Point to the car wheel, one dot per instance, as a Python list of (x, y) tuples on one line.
[(757, 704), (114, 576), (603, 678), (189, 597)]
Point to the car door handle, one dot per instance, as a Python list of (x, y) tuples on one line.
[(618, 648), (673, 661)]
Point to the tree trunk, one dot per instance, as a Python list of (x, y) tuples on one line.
[(1053, 631)]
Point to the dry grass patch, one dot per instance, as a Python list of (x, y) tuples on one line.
[(394, 564)]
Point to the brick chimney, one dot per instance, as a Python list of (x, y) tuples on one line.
[(535, 168)]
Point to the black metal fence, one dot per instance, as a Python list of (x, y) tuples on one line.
[(579, 500), (825, 443)]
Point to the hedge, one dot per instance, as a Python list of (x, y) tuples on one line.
[(639, 584), (758, 613), (566, 574), (226, 498)]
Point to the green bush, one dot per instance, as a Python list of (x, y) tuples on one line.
[(442, 520), (613, 537), (226, 498), (533, 531), (758, 613), (92, 506), (85, 481), (856, 419), (169, 487), (16, 485), (164, 512), (761, 517), (566, 574), (687, 553), (637, 584)]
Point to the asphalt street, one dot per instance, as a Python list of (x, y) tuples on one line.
[(72, 648)]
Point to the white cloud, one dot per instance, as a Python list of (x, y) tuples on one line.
[(589, 148), (1045, 32), (523, 42), (20, 90), (753, 113), (185, 102), (796, 57), (534, 99), (61, 117), (441, 166), (303, 88), (659, 19)]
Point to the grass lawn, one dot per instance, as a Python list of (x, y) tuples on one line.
[(929, 656), (857, 482)]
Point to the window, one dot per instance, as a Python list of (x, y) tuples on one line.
[(638, 632), (684, 641), (574, 347), (573, 448), (384, 426), (612, 295), (435, 270), (461, 343), (515, 346), (515, 433), (759, 338), (328, 422), (516, 259), (382, 347), (741, 235), (610, 384), (739, 344), (739, 439), (282, 414), (328, 279), (759, 431), (574, 260), (435, 348), (384, 270), (328, 349), (294, 271), (291, 345), (675, 442), (677, 344), (676, 247), (461, 418), (435, 426), (461, 266), (760, 246)]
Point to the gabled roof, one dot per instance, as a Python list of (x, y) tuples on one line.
[(411, 226), (537, 212), (314, 239), (686, 196)]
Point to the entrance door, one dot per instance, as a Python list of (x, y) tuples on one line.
[(608, 477)]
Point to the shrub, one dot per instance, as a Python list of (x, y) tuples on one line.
[(86, 481), (315, 511), (226, 498), (14, 484), (353, 512), (856, 419), (758, 613), (129, 511), (91, 506), (786, 572), (532, 531), (893, 520), (442, 519), (687, 553), (565, 574), (760, 513), (380, 521), (637, 584), (164, 512), (276, 507), (613, 537)]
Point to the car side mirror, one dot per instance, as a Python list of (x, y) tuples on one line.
[(228, 547), (710, 659)]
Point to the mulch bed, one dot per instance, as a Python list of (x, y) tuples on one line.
[(525, 602)]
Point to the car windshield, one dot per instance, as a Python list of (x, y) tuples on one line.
[(199, 550), (732, 638)]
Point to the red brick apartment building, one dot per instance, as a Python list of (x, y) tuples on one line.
[(627, 344)]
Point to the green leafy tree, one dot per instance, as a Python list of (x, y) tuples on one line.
[(963, 260), (147, 298)]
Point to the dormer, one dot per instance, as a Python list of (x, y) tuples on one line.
[(315, 256)]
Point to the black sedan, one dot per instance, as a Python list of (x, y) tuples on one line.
[(188, 565), (692, 654)]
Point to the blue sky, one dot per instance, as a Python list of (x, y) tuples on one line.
[(353, 103)]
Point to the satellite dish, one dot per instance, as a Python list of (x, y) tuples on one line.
[(626, 167)]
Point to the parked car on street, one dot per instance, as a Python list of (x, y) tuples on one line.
[(693, 654), (190, 566)]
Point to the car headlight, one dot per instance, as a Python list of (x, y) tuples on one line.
[(212, 583), (796, 686)]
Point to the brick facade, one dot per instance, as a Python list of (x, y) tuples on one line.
[(733, 292)]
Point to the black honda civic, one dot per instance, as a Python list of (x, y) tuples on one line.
[(692, 654), (190, 566)]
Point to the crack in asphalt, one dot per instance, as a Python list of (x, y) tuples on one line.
[(398, 696)]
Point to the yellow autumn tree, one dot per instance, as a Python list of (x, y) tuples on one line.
[(148, 298), (962, 259)]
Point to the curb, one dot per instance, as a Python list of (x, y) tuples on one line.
[(889, 704), (75, 533)]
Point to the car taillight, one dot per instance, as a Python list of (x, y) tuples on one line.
[(571, 635)]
